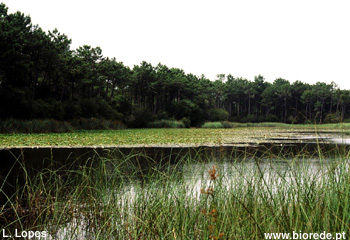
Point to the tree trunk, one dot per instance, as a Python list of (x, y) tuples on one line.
[(285, 110), (342, 112), (321, 111), (306, 112), (249, 105)]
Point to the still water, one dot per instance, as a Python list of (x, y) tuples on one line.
[(191, 179)]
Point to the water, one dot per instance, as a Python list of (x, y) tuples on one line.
[(275, 176), (268, 173), (279, 168)]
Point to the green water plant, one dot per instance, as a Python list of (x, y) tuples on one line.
[(132, 195)]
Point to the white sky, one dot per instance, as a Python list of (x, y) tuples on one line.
[(307, 40)]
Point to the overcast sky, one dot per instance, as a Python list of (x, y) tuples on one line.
[(307, 40)]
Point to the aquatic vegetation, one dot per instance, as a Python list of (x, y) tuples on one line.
[(162, 137), (212, 213), (187, 196)]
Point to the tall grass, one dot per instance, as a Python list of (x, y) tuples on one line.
[(213, 125), (166, 124), (133, 196)]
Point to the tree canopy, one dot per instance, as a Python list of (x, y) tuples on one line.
[(41, 77)]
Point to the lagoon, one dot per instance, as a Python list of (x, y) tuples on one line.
[(282, 184)]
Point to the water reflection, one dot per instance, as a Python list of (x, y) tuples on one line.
[(282, 177)]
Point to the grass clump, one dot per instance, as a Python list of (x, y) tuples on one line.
[(166, 124), (186, 196), (212, 125)]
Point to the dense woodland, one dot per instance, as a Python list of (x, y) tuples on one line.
[(42, 78)]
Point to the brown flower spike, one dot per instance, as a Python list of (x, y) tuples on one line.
[(213, 173)]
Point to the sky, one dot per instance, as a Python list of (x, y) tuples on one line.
[(306, 40)]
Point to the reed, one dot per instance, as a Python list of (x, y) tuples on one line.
[(186, 196)]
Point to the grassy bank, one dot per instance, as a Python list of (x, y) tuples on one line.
[(8, 126), (136, 197), (226, 124), (55, 126)]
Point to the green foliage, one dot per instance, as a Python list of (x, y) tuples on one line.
[(72, 110), (166, 124), (55, 126), (117, 197), (187, 108), (50, 108), (139, 118), (162, 115), (217, 114), (34, 126), (99, 108), (107, 111), (332, 118), (122, 105), (272, 124), (227, 124), (240, 132), (89, 107), (42, 78), (96, 124), (271, 118), (186, 121), (213, 125), (250, 118)]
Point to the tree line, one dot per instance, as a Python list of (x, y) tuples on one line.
[(42, 78)]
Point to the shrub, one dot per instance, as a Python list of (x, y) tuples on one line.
[(117, 125), (218, 114), (250, 118), (40, 109), (332, 118), (89, 107), (188, 109), (162, 115), (122, 105), (72, 110), (96, 124), (56, 110), (105, 110), (139, 118), (234, 119), (34, 126), (346, 120), (227, 124), (184, 108), (166, 124), (212, 125), (271, 118), (186, 121), (55, 126), (90, 124)]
